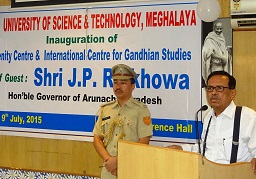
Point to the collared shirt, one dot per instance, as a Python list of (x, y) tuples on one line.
[(136, 123), (220, 135)]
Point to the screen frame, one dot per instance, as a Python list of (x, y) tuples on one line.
[(31, 3)]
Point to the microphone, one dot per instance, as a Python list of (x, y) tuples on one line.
[(203, 108)]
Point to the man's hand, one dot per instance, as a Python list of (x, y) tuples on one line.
[(111, 165), (177, 147), (253, 162)]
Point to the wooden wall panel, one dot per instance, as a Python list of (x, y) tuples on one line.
[(244, 50), (52, 155), (225, 8), (5, 2)]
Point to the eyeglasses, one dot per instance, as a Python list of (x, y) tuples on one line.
[(217, 88)]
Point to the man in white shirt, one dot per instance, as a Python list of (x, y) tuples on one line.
[(217, 135)]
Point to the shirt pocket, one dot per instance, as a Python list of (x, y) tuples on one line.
[(129, 127), (227, 145)]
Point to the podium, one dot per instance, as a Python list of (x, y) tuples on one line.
[(140, 161)]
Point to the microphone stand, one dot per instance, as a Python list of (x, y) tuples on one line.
[(203, 108), (197, 133)]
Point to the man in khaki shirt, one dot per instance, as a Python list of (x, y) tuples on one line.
[(124, 118)]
